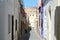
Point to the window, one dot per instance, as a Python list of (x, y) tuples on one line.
[(33, 14), (12, 27), (57, 23), (30, 14)]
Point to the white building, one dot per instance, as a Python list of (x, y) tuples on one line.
[(9, 19), (51, 19), (48, 19), (57, 19)]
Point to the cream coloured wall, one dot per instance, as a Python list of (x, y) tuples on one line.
[(31, 14)]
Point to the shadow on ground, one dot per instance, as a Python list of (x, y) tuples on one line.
[(25, 35)]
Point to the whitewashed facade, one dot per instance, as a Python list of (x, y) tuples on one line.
[(8, 8), (48, 20)]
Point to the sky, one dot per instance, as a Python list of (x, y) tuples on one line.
[(28, 3)]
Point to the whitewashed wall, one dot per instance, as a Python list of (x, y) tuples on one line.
[(8, 7), (3, 31), (49, 26)]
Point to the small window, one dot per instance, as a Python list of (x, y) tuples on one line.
[(30, 14), (33, 15)]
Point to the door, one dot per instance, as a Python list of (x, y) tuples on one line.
[(12, 28), (57, 23)]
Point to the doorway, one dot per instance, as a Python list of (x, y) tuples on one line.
[(57, 23), (12, 27)]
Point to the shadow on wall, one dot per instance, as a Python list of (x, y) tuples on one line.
[(26, 36), (57, 23), (24, 33)]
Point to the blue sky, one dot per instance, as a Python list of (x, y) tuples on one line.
[(28, 3)]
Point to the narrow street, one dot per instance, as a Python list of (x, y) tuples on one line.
[(29, 19), (33, 35), (30, 35)]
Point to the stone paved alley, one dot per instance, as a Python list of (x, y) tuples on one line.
[(30, 35)]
